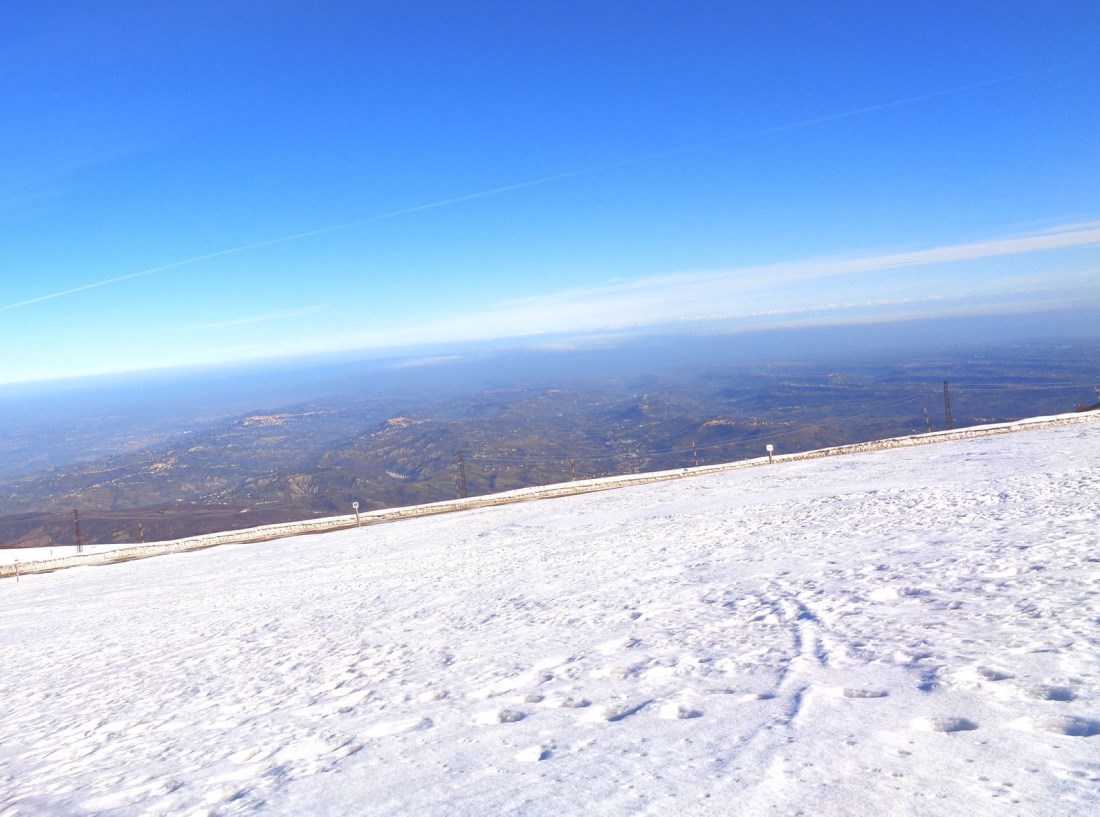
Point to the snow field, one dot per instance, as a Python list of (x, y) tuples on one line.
[(912, 632)]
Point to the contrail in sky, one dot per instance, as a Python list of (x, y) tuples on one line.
[(307, 234), (496, 191)]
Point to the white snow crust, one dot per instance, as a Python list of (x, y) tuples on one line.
[(907, 632)]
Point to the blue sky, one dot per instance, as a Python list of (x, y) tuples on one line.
[(195, 183)]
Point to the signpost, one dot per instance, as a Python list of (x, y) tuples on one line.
[(769, 448), (355, 507)]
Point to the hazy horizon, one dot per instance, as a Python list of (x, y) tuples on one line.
[(918, 335)]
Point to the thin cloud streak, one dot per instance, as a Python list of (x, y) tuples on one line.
[(723, 295), (166, 267), (702, 288), (495, 191)]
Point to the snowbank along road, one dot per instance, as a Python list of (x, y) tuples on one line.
[(907, 632)]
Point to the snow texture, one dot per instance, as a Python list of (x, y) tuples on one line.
[(908, 632)]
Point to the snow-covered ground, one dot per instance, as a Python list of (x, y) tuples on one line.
[(910, 632), (11, 555)]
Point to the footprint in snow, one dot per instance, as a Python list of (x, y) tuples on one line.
[(1058, 725), (749, 697), (861, 692), (944, 724), (128, 796), (990, 674), (387, 729), (620, 673), (306, 754), (500, 716), (615, 712), (553, 662), (1044, 692), (613, 646), (512, 683), (678, 712), (894, 593), (252, 754), (533, 754), (568, 703)]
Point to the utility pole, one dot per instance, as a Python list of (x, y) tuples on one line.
[(573, 465), (463, 487), (947, 407), (79, 538), (927, 421)]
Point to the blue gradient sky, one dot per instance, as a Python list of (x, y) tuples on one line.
[(200, 182)]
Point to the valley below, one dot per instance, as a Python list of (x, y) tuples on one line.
[(484, 432)]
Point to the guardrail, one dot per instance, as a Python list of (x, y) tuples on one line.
[(287, 529)]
